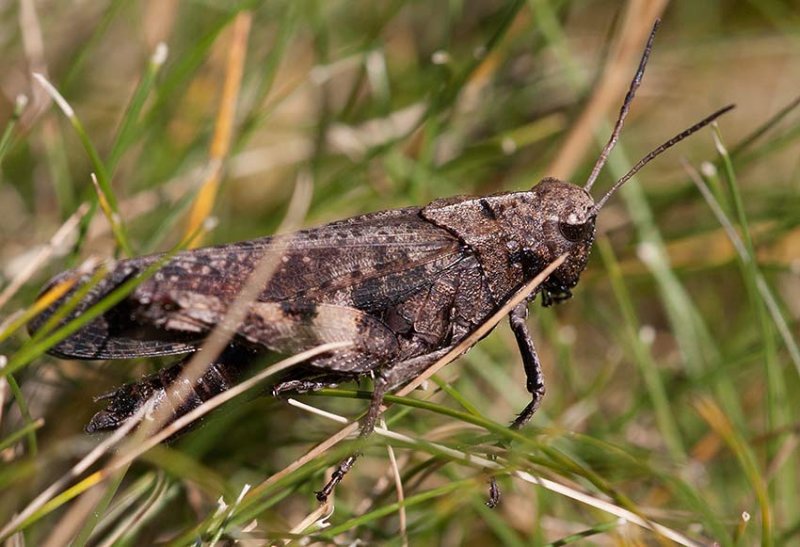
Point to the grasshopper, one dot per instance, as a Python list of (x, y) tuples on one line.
[(403, 286)]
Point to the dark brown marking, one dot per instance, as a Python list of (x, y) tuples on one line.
[(487, 210)]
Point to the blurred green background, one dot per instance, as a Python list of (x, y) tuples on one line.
[(672, 374)]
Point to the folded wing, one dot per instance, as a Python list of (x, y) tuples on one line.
[(368, 263)]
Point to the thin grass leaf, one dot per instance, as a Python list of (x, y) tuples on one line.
[(24, 410), (81, 57), (767, 316), (589, 532), (26, 429), (127, 530), (96, 516), (747, 255), (105, 192), (497, 523), (58, 501), (268, 70), (768, 125), (717, 420), (128, 130), (648, 368), (189, 470), (389, 509), (186, 65), (5, 141), (698, 347), (456, 396)]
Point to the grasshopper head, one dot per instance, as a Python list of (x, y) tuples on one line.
[(569, 211), (567, 227)]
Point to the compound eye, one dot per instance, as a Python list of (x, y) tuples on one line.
[(576, 232)]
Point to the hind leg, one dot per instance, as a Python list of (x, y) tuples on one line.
[(221, 374)]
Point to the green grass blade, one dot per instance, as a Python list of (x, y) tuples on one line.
[(105, 194), (647, 366)]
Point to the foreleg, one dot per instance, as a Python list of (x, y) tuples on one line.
[(530, 361), (534, 380)]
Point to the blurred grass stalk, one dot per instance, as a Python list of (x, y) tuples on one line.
[(307, 64)]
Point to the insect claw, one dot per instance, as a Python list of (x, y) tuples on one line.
[(102, 421), (336, 477), (494, 494)]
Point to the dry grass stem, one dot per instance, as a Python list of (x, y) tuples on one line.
[(500, 464), (32, 266), (221, 141), (638, 19), (398, 483)]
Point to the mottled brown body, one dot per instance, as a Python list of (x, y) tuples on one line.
[(402, 286)]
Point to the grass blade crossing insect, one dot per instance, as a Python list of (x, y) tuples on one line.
[(403, 286)]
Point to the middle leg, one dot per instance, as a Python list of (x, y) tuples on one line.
[(385, 380)]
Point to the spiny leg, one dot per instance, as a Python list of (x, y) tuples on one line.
[(494, 493), (534, 381), (367, 427), (305, 384), (530, 362), (408, 370), (405, 371), (555, 296)]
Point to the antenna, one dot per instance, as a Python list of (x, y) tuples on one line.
[(623, 112), (645, 160)]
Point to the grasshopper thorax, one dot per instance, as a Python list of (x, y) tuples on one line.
[(514, 235)]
